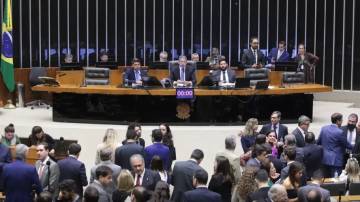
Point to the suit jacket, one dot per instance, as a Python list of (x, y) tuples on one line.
[(71, 168), (283, 130), (124, 152), (253, 163), (150, 179), (103, 195), (5, 158), (54, 176), (260, 195), (247, 142), (201, 194), (312, 154), (182, 178), (129, 76), (356, 149), (190, 74), (334, 144), (19, 179), (248, 58), (273, 54), (215, 77), (300, 140), (234, 160), (309, 63), (218, 185), (157, 149), (303, 191), (115, 173)]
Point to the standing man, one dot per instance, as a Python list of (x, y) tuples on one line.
[(183, 72), (224, 74), (72, 168), (182, 174), (334, 143), (278, 54), (352, 136), (301, 130), (253, 57), (157, 148), (48, 170), (275, 125), (103, 177), (142, 176), (20, 179), (134, 75), (124, 152)]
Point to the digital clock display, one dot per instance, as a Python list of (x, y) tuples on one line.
[(184, 93)]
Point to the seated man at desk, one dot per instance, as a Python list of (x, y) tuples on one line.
[(134, 75), (183, 73), (224, 74), (253, 57)]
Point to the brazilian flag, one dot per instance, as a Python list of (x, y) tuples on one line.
[(7, 64)]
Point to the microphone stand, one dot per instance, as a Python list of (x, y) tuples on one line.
[(48, 175)]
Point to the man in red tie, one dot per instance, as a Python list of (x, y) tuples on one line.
[(143, 177)]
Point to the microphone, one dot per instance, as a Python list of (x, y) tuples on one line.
[(48, 175)]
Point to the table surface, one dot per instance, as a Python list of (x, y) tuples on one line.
[(113, 90)]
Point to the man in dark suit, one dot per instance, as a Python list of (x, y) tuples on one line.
[(72, 168), (352, 136), (280, 129), (224, 74), (47, 169), (135, 74), (301, 130), (262, 180), (182, 174), (183, 72), (20, 179), (289, 156), (260, 154), (278, 54), (157, 148), (253, 57), (67, 192), (334, 143), (201, 193), (124, 152), (143, 176), (316, 181), (313, 154)]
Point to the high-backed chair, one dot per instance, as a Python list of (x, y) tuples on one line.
[(335, 189), (256, 75), (354, 188), (293, 77), (96, 76), (34, 80)]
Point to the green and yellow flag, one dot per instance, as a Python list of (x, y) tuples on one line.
[(7, 64)]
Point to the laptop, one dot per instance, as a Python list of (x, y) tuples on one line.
[(242, 83), (202, 65), (159, 65), (262, 85), (151, 81), (206, 82), (110, 65), (71, 66), (286, 66)]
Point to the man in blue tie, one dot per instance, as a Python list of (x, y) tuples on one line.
[(184, 72), (135, 74)]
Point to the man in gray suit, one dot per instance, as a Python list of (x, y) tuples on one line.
[(224, 74), (182, 174), (317, 180), (47, 169), (260, 154), (103, 177), (105, 157)]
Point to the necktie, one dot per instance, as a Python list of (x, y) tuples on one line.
[(41, 170), (223, 76), (274, 127), (256, 57), (138, 181), (182, 74)]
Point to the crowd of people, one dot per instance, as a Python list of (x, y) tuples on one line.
[(276, 166)]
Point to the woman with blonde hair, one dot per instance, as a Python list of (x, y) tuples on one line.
[(248, 134), (124, 187), (351, 172), (111, 139)]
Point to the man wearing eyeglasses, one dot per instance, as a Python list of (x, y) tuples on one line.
[(253, 57)]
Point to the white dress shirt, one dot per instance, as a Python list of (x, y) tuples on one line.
[(141, 177), (226, 76)]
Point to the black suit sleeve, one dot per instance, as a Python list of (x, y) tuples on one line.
[(245, 60), (193, 76)]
